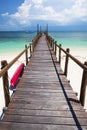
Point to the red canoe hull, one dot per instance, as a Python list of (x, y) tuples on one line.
[(17, 74)]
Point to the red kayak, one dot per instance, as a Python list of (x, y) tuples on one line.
[(16, 76)]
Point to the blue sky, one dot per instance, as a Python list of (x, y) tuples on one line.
[(23, 14)]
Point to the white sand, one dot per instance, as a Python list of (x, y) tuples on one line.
[(9, 57), (74, 71)]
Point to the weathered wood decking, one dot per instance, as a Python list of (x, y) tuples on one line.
[(42, 101)]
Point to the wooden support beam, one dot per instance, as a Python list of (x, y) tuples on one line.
[(37, 29), (51, 41), (26, 54), (66, 62), (83, 86), (5, 83), (30, 49), (53, 44), (55, 47), (59, 53), (47, 29)]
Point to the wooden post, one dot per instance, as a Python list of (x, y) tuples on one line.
[(40, 30), (59, 53), (47, 29), (53, 44), (37, 29), (26, 54), (30, 49), (5, 84), (83, 86), (55, 47), (66, 62), (32, 45), (50, 41)]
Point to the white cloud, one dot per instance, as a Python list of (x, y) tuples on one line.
[(5, 14), (23, 14), (50, 14), (77, 11), (49, 10), (80, 8), (37, 1), (40, 10), (11, 23)]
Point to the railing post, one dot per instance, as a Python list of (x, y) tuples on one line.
[(26, 54), (66, 62), (5, 84), (52, 43), (32, 45), (59, 53), (83, 86), (30, 50), (55, 47)]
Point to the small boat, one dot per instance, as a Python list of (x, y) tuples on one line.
[(16, 76)]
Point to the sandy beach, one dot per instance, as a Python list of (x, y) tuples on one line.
[(9, 57), (74, 71)]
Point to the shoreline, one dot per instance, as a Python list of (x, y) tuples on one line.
[(74, 72)]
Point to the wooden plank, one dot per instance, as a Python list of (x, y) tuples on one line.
[(67, 113), (44, 120), (44, 113), (30, 89), (27, 126), (41, 120)]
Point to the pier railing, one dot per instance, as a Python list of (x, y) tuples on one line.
[(56, 47), (5, 66), (28, 51)]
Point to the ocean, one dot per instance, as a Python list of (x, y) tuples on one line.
[(70, 39), (11, 42)]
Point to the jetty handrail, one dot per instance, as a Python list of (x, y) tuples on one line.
[(3, 71), (54, 46), (5, 67), (73, 58)]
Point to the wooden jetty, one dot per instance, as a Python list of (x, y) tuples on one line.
[(44, 99)]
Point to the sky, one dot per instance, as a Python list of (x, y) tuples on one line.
[(58, 14)]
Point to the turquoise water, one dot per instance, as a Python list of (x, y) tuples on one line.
[(71, 39), (16, 41)]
